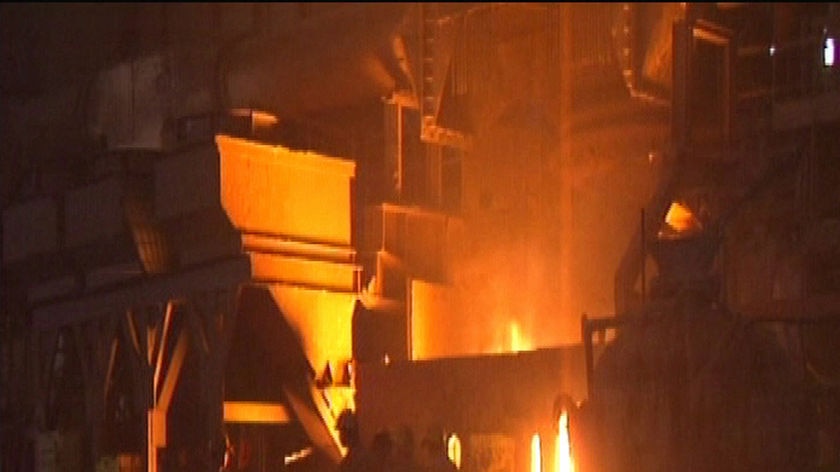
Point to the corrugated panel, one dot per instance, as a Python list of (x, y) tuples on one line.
[(593, 26)]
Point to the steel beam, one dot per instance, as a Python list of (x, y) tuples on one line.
[(221, 275)]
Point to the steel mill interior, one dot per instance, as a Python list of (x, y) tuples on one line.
[(501, 237)]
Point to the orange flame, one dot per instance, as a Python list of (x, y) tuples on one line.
[(563, 455), (518, 341), (536, 453)]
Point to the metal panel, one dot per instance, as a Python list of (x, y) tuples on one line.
[(255, 412), (29, 228), (187, 182), (275, 190), (339, 59), (95, 212)]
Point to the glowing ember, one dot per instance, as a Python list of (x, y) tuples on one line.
[(563, 456)]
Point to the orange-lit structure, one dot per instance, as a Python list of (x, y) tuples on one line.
[(274, 213)]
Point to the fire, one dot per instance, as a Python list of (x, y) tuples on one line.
[(453, 450), (536, 454), (563, 456), (518, 341)]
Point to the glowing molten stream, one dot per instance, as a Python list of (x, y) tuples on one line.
[(564, 460)]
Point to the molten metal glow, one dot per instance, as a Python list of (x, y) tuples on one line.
[(680, 219), (536, 453), (339, 398), (323, 319), (255, 412), (269, 190), (453, 450), (563, 455)]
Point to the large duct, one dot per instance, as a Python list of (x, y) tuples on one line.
[(345, 57), (137, 104)]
